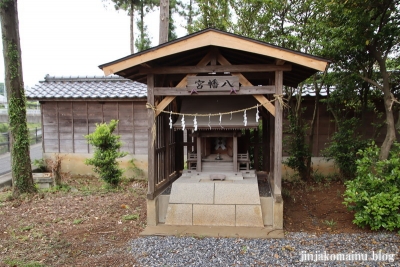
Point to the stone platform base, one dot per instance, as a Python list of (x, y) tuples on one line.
[(214, 231), (197, 200)]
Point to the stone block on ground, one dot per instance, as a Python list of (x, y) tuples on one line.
[(216, 215), (240, 192), (249, 215), (179, 214), (194, 192)]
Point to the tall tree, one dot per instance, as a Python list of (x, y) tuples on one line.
[(173, 8), (143, 42), (367, 31), (164, 21), (189, 11), (131, 6), (20, 158), (213, 14)]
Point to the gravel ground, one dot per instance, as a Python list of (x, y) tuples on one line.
[(296, 249)]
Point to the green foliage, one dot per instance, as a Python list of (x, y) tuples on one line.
[(3, 127), (297, 146), (143, 42), (40, 164), (374, 194), (130, 217), (20, 263), (138, 173), (107, 147), (344, 147), (330, 223), (189, 12), (77, 221), (213, 14), (142, 7)]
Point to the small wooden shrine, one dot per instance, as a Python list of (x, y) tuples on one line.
[(225, 92)]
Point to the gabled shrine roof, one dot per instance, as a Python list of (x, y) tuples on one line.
[(189, 50)]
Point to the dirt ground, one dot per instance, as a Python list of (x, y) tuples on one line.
[(317, 207), (91, 226)]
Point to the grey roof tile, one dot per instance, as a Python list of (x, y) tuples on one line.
[(89, 87)]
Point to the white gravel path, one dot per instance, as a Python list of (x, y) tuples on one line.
[(296, 249)]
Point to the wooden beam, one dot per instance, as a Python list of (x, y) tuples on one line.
[(150, 145), (248, 90), (216, 38), (235, 153), (182, 84), (279, 62), (164, 103), (216, 68), (203, 62), (215, 134), (198, 164), (278, 137), (266, 103), (260, 98)]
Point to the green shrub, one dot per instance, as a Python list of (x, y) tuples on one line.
[(345, 144), (106, 152), (374, 194), (297, 146)]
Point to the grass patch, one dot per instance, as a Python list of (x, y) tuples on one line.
[(330, 223), (130, 217), (21, 263), (77, 221), (26, 228)]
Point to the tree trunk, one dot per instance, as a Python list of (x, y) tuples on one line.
[(164, 20), (190, 17), (387, 100), (142, 26), (20, 158), (132, 27), (312, 127)]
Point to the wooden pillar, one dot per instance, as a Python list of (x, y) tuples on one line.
[(167, 132), (278, 135), (150, 144), (198, 167), (271, 149), (265, 143), (235, 152), (256, 150)]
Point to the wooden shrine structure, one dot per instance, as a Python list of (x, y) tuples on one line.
[(217, 86)]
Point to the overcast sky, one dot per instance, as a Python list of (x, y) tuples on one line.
[(72, 37)]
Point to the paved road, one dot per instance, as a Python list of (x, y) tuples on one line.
[(5, 162)]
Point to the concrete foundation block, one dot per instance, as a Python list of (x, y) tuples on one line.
[(249, 215), (179, 214), (278, 215), (240, 192), (163, 201), (267, 210), (215, 215), (152, 212), (192, 192)]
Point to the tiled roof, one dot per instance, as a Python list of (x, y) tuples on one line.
[(309, 90), (89, 87)]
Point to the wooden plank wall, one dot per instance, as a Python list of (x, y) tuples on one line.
[(324, 127), (65, 123)]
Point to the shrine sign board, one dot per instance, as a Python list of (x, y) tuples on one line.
[(197, 84)]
